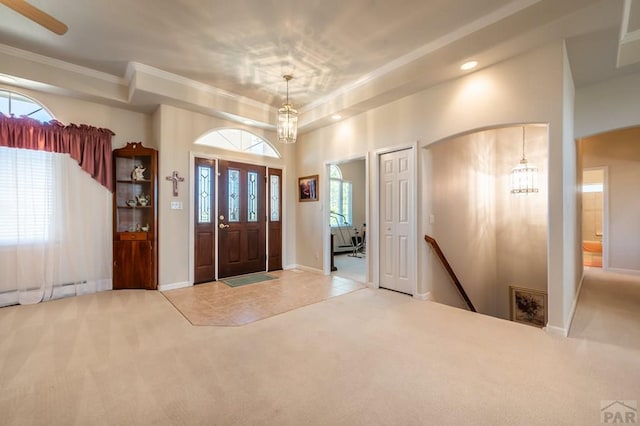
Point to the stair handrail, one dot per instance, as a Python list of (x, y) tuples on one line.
[(436, 248)]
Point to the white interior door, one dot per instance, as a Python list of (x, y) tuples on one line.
[(397, 202)]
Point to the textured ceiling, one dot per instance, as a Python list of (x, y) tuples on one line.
[(245, 46)]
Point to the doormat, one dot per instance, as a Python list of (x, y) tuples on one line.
[(247, 279)]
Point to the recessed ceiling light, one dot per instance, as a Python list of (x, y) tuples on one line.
[(469, 65), (336, 116)]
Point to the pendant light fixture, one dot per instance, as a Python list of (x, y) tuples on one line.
[(524, 177), (287, 119)]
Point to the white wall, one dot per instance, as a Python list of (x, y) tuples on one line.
[(571, 253), (528, 88), (462, 203), (609, 105)]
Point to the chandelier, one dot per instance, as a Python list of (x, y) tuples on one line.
[(287, 119), (524, 177)]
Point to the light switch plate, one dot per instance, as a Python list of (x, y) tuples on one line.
[(176, 205)]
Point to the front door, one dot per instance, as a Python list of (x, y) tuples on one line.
[(241, 219), (396, 218)]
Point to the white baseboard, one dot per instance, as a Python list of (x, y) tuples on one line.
[(373, 285), (57, 292), (574, 305), (304, 268), (174, 286), (623, 271), (556, 331), (423, 296), (9, 298)]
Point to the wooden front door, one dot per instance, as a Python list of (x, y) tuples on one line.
[(241, 219), (205, 221)]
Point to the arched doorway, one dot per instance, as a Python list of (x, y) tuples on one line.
[(493, 234)]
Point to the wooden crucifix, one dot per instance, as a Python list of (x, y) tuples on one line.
[(175, 178)]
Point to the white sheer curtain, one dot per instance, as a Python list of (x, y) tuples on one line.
[(55, 228)]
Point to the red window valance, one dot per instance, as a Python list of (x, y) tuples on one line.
[(89, 146)]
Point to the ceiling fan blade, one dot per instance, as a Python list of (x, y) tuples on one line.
[(36, 15)]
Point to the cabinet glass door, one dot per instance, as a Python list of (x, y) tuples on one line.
[(134, 194)]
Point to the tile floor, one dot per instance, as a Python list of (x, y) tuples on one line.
[(220, 305)]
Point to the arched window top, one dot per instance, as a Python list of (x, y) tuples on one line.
[(335, 172), (18, 105), (238, 140)]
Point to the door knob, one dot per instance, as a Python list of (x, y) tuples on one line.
[(222, 226)]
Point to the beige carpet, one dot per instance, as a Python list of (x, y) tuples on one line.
[(371, 357), (608, 309), (353, 268), (218, 304)]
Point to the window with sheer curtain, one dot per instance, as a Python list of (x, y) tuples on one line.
[(340, 195), (55, 226)]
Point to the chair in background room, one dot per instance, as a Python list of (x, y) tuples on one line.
[(358, 241)]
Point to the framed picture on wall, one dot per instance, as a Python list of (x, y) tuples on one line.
[(308, 188), (528, 306)]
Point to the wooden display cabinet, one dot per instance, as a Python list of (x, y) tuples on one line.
[(135, 217)]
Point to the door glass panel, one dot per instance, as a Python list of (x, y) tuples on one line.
[(234, 195), (252, 197), (204, 194), (274, 191)]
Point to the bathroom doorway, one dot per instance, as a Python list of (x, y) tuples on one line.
[(593, 216)]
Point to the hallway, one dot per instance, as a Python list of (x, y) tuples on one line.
[(608, 309)]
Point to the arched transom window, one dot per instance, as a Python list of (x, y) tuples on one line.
[(238, 140), (12, 103)]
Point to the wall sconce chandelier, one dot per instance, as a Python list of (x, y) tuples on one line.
[(287, 119), (524, 177)]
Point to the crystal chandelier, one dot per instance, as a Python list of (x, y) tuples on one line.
[(287, 119), (524, 177)]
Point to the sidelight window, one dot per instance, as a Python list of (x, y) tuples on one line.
[(205, 201), (274, 191)]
